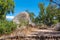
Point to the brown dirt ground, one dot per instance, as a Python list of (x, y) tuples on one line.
[(25, 31)]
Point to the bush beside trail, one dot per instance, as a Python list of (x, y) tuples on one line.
[(6, 27)]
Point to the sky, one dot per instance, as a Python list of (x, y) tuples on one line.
[(30, 5)]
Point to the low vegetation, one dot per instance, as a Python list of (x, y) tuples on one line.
[(6, 27)]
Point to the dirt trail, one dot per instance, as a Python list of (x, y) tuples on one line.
[(27, 32)]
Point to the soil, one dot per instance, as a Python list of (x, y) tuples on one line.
[(26, 31)]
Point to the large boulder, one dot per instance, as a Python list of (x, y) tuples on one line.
[(57, 27), (23, 18), (22, 15)]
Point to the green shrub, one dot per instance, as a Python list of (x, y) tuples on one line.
[(55, 21), (7, 27)]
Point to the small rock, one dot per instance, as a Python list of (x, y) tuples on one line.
[(57, 27)]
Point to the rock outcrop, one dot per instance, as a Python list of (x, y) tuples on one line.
[(22, 15), (57, 27), (25, 17)]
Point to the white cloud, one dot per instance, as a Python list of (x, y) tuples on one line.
[(9, 17)]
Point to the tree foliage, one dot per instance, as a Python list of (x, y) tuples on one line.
[(48, 15), (55, 2), (41, 13), (6, 27), (6, 6), (32, 15)]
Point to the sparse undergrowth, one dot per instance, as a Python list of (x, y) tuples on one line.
[(6, 27)]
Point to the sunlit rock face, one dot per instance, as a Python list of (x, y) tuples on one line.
[(57, 27), (22, 15)]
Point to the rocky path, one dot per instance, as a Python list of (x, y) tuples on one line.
[(34, 33), (45, 32)]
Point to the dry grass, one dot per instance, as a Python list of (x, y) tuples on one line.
[(25, 31), (28, 30), (18, 32)]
